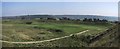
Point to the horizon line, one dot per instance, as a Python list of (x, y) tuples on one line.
[(58, 14)]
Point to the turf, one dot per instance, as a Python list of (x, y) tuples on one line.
[(18, 31)]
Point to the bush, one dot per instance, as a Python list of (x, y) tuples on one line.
[(83, 38), (55, 30), (28, 22)]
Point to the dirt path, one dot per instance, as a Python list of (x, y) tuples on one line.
[(31, 42)]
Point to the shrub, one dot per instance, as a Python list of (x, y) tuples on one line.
[(28, 22), (55, 30), (83, 38)]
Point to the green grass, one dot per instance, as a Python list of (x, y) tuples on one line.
[(109, 39), (17, 30)]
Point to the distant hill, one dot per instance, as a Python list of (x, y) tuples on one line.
[(110, 18)]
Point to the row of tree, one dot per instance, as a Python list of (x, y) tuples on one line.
[(94, 20), (87, 19), (84, 20)]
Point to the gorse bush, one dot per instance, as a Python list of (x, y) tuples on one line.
[(55, 30), (28, 22), (83, 38)]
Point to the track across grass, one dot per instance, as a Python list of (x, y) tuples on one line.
[(31, 42)]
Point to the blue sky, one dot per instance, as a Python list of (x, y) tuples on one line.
[(60, 0), (73, 8)]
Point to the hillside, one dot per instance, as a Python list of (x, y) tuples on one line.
[(52, 33)]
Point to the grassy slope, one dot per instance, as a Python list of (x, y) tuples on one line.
[(109, 40), (18, 31)]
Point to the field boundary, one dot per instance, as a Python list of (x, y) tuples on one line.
[(32, 42)]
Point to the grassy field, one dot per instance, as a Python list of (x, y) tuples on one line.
[(19, 31)]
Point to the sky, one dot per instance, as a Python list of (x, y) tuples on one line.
[(60, 8), (0, 9), (60, 0)]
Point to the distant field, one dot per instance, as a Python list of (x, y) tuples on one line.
[(19, 31)]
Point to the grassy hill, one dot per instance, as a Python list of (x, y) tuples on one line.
[(38, 30)]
